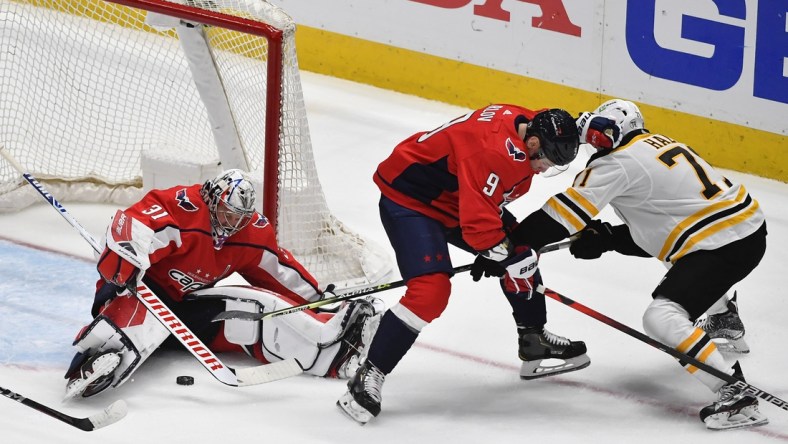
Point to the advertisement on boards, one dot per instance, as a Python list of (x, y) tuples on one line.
[(722, 59)]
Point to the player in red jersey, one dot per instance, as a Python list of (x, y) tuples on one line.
[(450, 186), (187, 238)]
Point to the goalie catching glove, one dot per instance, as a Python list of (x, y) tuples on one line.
[(518, 272)]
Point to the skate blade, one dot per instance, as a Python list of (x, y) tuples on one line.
[(540, 369), (732, 346), (103, 366), (746, 417), (353, 410)]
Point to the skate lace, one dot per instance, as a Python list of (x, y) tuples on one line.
[(555, 339), (728, 393), (721, 323), (705, 323), (373, 382)]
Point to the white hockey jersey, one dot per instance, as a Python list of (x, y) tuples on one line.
[(673, 201)]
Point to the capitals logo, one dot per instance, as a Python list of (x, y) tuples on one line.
[(261, 221), (517, 154), (183, 200)]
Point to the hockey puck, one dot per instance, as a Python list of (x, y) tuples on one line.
[(184, 380)]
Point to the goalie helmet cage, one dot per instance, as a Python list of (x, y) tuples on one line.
[(88, 88)]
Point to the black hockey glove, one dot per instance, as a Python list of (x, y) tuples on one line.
[(487, 261), (595, 239), (486, 267)]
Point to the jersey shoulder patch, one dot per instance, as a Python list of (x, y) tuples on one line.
[(184, 202), (516, 153)]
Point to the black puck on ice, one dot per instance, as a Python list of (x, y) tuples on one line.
[(184, 380)]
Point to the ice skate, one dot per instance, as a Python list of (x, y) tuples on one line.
[(545, 354), (733, 410), (361, 323), (362, 400), (93, 376), (726, 329)]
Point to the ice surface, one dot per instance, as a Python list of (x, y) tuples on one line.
[(458, 384)]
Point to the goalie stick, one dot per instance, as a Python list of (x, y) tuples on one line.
[(683, 358), (227, 375), (110, 415), (249, 316)]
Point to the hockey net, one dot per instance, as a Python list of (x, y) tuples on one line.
[(91, 89)]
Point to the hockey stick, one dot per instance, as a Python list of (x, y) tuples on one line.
[(683, 358), (113, 413), (249, 316), (227, 375)]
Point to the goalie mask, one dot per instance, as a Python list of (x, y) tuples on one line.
[(230, 198), (625, 113), (557, 133)]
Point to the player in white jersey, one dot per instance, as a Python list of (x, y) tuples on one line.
[(706, 229)]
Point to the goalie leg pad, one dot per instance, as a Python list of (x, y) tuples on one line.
[(313, 340), (125, 327)]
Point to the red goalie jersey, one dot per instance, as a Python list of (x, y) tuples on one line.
[(463, 172), (183, 258)]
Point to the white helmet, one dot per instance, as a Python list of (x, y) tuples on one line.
[(624, 112), (230, 198)]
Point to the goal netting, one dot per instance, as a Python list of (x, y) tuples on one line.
[(100, 100)]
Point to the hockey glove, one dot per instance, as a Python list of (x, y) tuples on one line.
[(521, 272), (488, 262), (599, 131), (595, 239), (485, 267), (116, 270)]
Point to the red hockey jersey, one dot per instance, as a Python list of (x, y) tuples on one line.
[(183, 257), (462, 173)]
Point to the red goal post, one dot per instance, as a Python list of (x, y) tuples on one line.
[(103, 100)]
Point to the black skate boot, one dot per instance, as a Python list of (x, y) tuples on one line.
[(733, 410), (538, 345), (362, 400), (726, 329), (90, 375)]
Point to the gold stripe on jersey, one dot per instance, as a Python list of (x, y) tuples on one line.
[(705, 223), (582, 201), (714, 229), (565, 213), (697, 345)]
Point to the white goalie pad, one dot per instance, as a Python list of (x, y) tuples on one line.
[(141, 336), (310, 338)]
